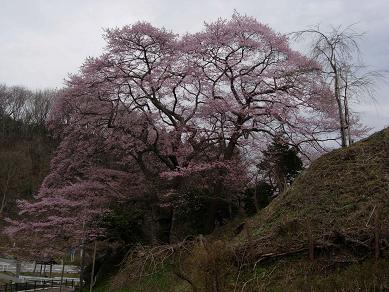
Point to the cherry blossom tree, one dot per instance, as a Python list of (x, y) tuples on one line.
[(213, 89), (78, 191), (158, 112)]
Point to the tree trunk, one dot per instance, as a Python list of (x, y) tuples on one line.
[(92, 275), (347, 117), (209, 225), (82, 264), (2, 203), (172, 236), (5, 188), (62, 273), (340, 109), (18, 268)]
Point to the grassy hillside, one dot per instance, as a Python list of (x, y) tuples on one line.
[(323, 234), (337, 198)]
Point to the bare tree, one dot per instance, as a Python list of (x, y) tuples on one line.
[(39, 105), (16, 103), (7, 173), (338, 53), (21, 108)]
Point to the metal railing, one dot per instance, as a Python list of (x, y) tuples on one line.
[(38, 285)]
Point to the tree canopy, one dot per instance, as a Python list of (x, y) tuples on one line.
[(158, 114)]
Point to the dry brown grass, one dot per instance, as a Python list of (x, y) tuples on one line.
[(330, 208), (336, 198)]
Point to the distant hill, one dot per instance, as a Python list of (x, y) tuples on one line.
[(25, 155)]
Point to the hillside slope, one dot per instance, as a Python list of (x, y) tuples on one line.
[(320, 235), (337, 198)]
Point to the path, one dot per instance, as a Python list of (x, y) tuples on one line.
[(9, 265)]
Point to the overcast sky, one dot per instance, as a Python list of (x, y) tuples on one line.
[(41, 41)]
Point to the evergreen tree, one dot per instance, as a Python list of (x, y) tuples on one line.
[(280, 164)]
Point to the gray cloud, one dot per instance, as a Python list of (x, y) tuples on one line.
[(41, 41)]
